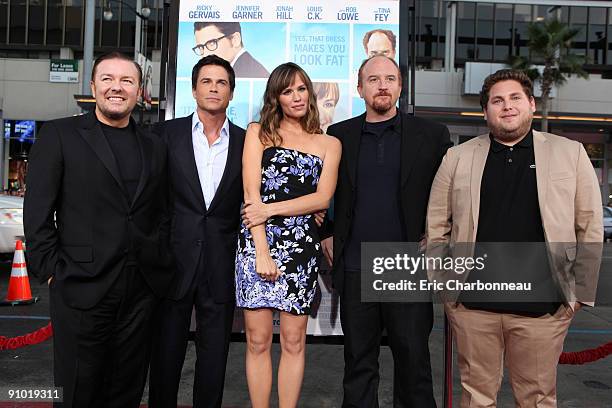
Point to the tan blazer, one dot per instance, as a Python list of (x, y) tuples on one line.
[(568, 195)]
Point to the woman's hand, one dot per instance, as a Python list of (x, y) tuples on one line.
[(266, 268), (328, 249), (320, 217), (254, 213)]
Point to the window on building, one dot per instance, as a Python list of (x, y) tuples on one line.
[(55, 22), (159, 16), (151, 30), (17, 26), (578, 19), (441, 29), (97, 23), (484, 31), (110, 28), (562, 14), (597, 35), (160, 20), (540, 13), (522, 18), (74, 21), (128, 27), (466, 41), (503, 32), (3, 21), (36, 22), (429, 28)]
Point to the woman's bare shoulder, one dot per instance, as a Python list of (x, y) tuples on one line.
[(330, 142), (254, 126), (328, 145)]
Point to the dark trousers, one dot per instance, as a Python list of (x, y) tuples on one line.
[(213, 329), (101, 354), (408, 327)]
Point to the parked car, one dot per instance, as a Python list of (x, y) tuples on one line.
[(11, 222), (607, 213)]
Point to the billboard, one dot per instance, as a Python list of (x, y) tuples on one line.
[(328, 39)]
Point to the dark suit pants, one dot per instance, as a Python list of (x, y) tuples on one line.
[(408, 327), (101, 354), (213, 329)]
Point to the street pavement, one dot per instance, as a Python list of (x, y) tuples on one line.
[(586, 386)]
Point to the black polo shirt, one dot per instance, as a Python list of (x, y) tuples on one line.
[(377, 211), (509, 206), (510, 212)]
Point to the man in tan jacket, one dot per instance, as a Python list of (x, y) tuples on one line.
[(516, 184)]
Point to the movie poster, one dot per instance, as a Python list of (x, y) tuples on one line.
[(328, 39)]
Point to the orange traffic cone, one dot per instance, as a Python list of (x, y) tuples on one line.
[(19, 292)]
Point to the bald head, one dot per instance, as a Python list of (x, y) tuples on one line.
[(367, 61)]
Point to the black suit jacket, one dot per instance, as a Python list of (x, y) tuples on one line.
[(195, 229), (248, 67), (423, 145), (73, 175)]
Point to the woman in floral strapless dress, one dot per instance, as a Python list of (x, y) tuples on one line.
[(289, 173), (293, 241)]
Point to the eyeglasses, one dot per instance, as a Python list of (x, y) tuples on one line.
[(210, 45)]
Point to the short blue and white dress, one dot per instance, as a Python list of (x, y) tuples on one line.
[(294, 241)]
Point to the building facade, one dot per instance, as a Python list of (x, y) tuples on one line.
[(458, 43)]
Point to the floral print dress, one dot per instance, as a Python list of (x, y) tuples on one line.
[(293, 241)]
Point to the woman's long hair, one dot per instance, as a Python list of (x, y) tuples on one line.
[(271, 112)]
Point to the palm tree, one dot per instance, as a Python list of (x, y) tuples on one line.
[(550, 45)]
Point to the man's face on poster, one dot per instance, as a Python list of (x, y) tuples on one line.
[(210, 40), (379, 44)]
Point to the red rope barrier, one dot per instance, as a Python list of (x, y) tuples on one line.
[(44, 333), (586, 356), (40, 335)]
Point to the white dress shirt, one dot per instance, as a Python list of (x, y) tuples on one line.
[(210, 160)]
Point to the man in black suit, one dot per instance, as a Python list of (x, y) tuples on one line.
[(225, 40), (389, 160), (205, 165), (96, 227)]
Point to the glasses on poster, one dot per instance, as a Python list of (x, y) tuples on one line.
[(210, 45)]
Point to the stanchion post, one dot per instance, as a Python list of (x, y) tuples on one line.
[(448, 364)]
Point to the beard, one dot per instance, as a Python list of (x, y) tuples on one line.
[(382, 106), (511, 134), (115, 114)]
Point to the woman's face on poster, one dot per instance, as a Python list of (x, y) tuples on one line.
[(327, 106)]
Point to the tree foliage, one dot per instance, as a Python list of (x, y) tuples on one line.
[(549, 44)]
